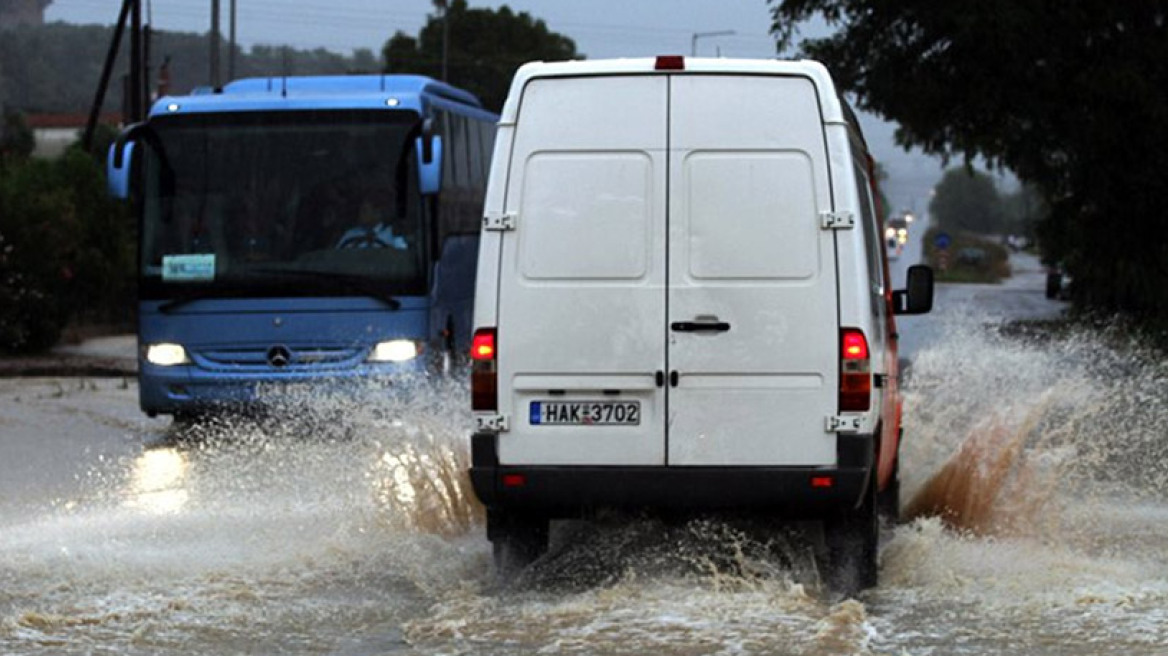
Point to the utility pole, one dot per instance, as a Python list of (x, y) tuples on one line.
[(214, 44), (693, 49), (441, 4), (134, 111), (231, 46), (111, 55)]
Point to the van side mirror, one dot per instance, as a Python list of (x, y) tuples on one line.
[(429, 163), (918, 297)]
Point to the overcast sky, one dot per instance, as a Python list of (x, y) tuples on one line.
[(600, 28)]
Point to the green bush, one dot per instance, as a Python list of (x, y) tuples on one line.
[(65, 250), (969, 258)]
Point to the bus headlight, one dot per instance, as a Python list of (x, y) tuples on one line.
[(396, 350), (166, 354)]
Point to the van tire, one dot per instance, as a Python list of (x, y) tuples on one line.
[(888, 501), (852, 540), (516, 540)]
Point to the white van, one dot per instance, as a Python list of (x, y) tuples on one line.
[(682, 303)]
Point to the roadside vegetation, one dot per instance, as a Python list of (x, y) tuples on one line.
[(66, 247), (969, 258), (978, 221), (1071, 98)]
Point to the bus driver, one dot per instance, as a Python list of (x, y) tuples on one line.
[(373, 230)]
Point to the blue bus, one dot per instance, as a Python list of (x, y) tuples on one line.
[(299, 230)]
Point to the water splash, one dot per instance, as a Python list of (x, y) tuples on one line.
[(1004, 432), (287, 530)]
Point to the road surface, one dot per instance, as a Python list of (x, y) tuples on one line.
[(1034, 474)]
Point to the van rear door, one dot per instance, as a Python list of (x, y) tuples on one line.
[(753, 324), (667, 224), (581, 303)]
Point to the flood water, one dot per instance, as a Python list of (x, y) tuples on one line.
[(1035, 473)]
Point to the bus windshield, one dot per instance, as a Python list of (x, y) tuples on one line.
[(260, 204)]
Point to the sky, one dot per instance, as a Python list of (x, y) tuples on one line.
[(600, 28)]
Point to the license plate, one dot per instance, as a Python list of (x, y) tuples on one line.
[(585, 413)]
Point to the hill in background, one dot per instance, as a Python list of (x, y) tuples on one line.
[(55, 68)]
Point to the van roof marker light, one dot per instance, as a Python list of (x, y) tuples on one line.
[(669, 63)]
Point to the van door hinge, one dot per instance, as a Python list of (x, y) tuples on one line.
[(837, 220), (499, 221), (493, 423), (844, 424)]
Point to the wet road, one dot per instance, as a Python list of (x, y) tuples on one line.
[(1035, 475)]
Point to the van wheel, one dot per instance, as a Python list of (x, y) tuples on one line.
[(852, 539), (888, 501), (517, 540)]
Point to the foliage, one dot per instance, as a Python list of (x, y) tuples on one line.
[(1022, 210), (969, 258), (65, 250), (967, 200), (485, 47), (1072, 97), (16, 139)]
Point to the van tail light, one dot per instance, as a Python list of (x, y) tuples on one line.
[(483, 372), (855, 391), (669, 63)]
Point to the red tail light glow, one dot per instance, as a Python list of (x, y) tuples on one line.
[(483, 344), (670, 63), (855, 391), (484, 391), (855, 346)]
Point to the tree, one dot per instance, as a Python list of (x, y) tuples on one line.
[(16, 140), (484, 48), (967, 200), (1072, 97), (66, 250), (1022, 210)]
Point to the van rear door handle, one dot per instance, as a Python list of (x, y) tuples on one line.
[(699, 326)]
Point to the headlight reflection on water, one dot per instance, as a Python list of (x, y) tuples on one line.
[(156, 481)]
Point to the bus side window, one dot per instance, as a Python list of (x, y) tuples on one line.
[(442, 125), (475, 144)]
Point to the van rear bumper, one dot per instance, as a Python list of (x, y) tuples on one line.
[(572, 491)]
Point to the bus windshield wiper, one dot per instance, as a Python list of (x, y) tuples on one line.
[(353, 282), (186, 299)]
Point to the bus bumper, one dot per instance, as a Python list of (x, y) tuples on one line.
[(192, 390)]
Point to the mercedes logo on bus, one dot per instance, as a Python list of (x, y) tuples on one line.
[(279, 356)]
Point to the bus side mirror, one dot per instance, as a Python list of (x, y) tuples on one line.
[(117, 169), (430, 163), (918, 297), (120, 161)]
